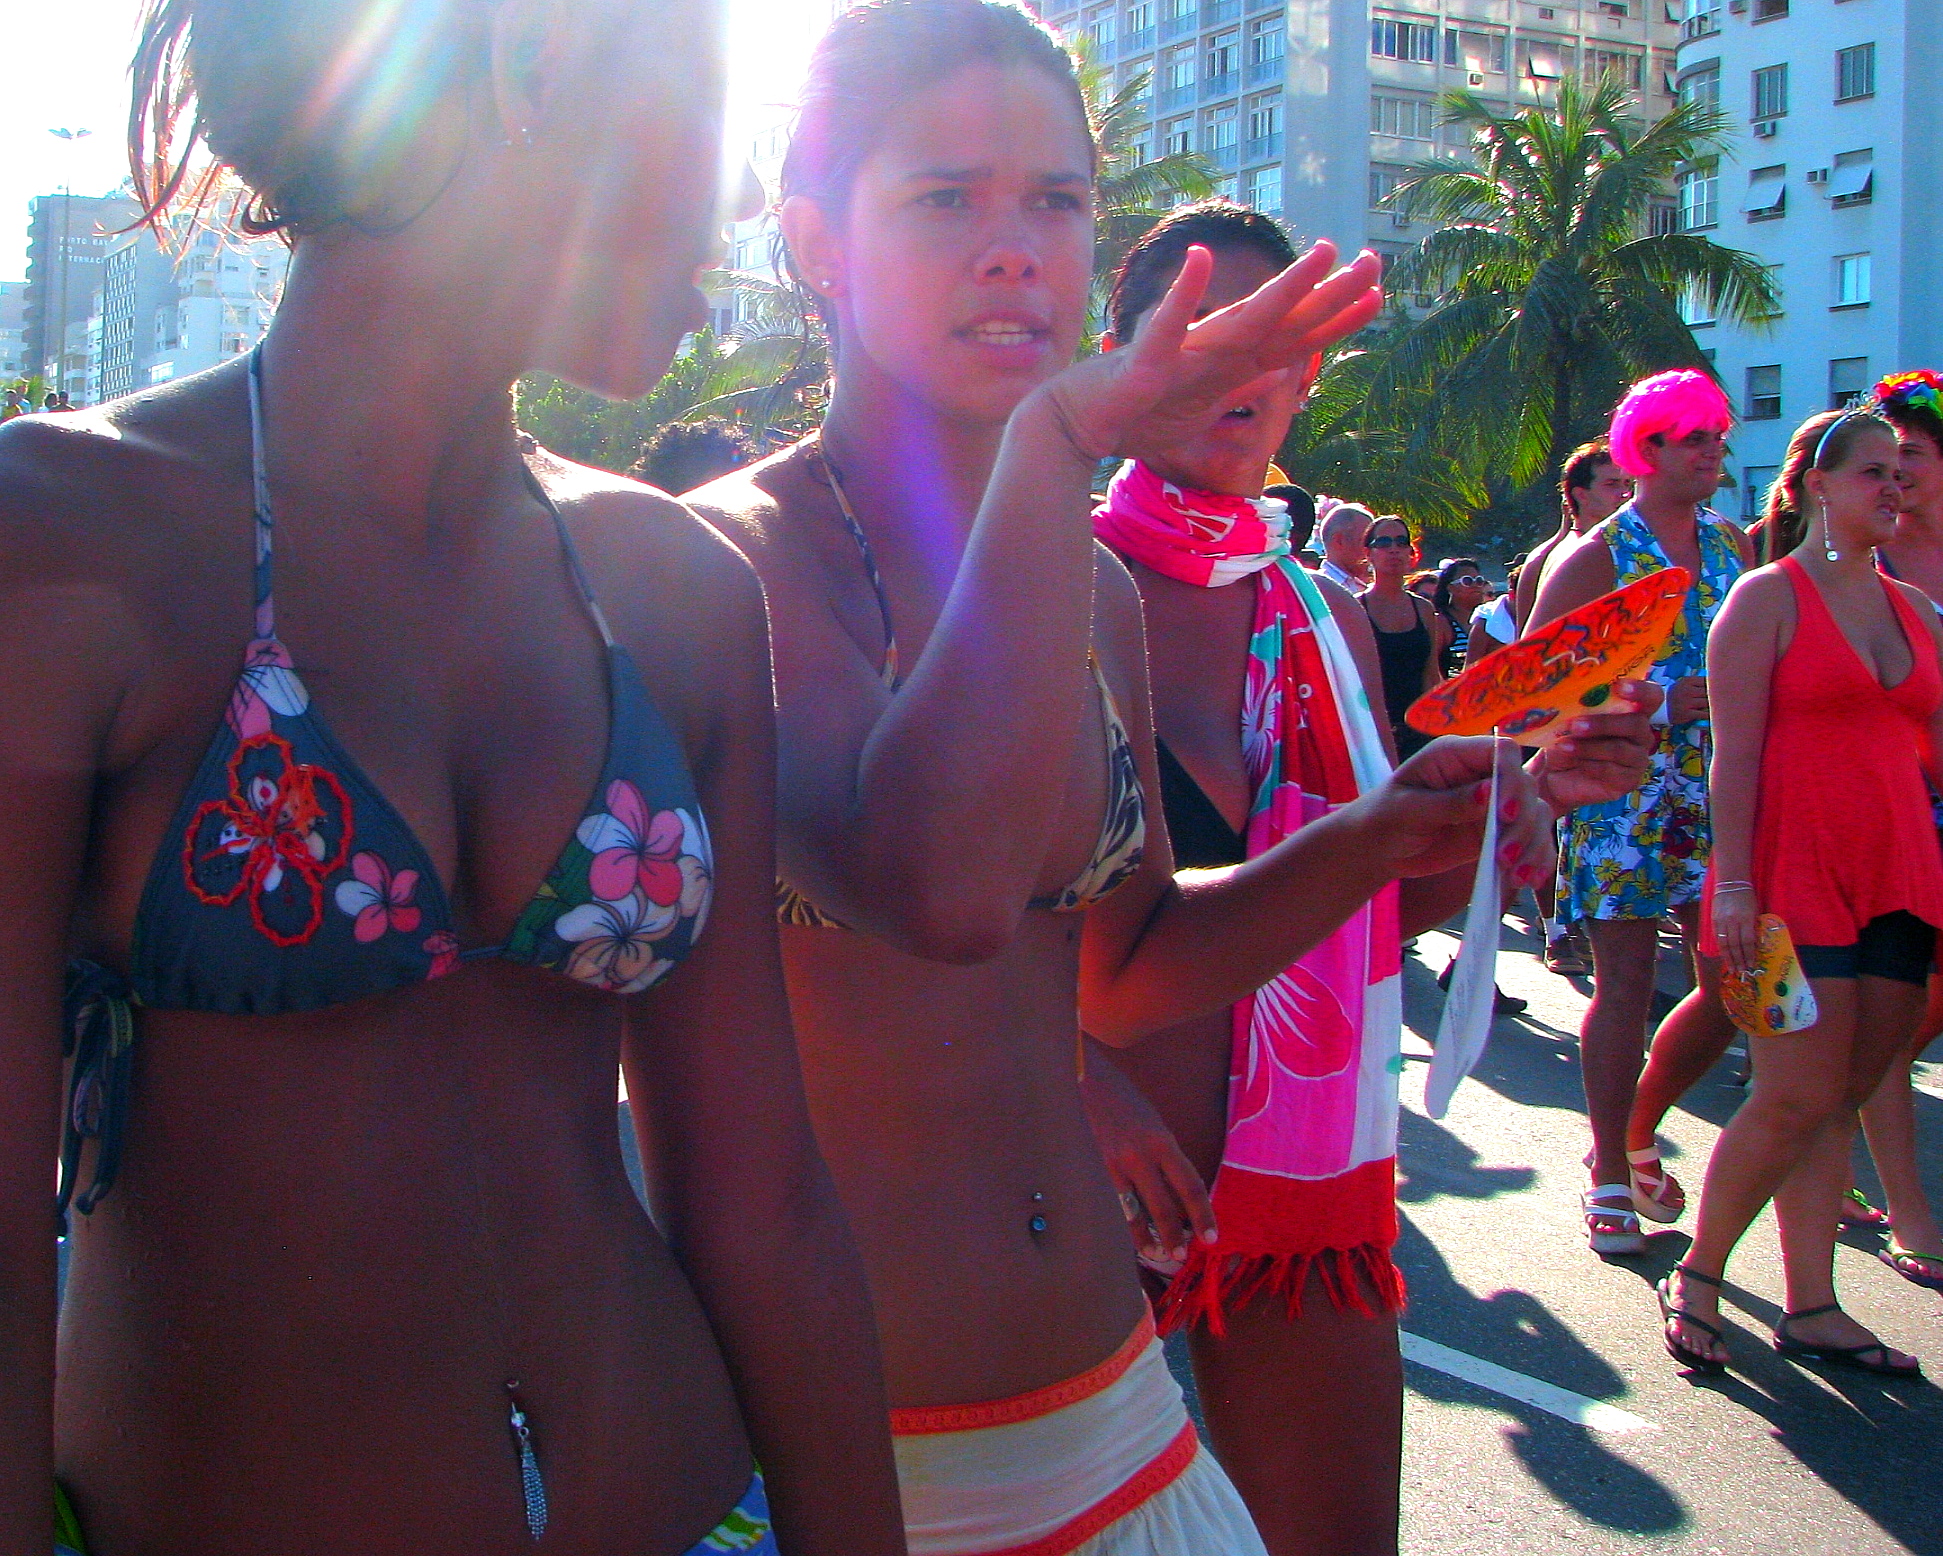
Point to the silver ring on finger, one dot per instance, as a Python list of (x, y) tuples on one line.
[(1130, 1205)]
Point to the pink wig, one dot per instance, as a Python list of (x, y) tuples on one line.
[(1669, 405)]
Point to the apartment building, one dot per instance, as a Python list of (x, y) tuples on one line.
[(1834, 160), (68, 236), (1314, 109), (13, 332)]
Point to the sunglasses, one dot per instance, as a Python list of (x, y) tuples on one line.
[(1389, 543), (1466, 580)]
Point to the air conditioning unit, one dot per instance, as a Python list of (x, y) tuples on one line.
[(1398, 219), (1766, 129), (1817, 175), (1737, 6), (1477, 78)]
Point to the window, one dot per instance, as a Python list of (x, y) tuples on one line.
[(1264, 118), (1702, 88), (1262, 190), (1476, 52), (1852, 179), (1696, 307), (1404, 40), (1227, 188), (1780, 292), (1769, 10), (1180, 70), (1767, 194), (1267, 44), (1628, 67), (1383, 181), (1771, 92), (1700, 197), (1408, 118), (1140, 24), (1764, 393), (1140, 150), (1177, 139), (1219, 131), (1855, 72), (1101, 28), (1224, 55), (1756, 481), (1662, 218), (1613, 8), (1848, 382), (1543, 62), (1851, 280)]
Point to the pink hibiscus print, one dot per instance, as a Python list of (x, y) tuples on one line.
[(632, 850), (377, 899), (443, 948)]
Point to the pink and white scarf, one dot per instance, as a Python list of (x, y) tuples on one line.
[(1308, 1173)]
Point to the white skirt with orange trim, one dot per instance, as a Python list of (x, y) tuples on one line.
[(1104, 1464)]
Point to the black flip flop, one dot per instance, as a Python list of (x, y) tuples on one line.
[(1840, 1355), (1685, 1355)]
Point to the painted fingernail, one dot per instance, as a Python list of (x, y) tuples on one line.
[(1508, 855), (1481, 795), (1511, 808), (1211, 1236)]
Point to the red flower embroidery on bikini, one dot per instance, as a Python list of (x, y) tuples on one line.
[(281, 830)]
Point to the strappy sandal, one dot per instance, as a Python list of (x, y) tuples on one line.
[(1839, 1355), (1920, 1268), (1858, 1213), (1685, 1355), (1620, 1232), (1656, 1195)]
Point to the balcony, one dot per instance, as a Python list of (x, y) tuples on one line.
[(1224, 85), (1214, 12), (1262, 5), (1176, 97), (1221, 158), (1263, 148), (1182, 26), (1705, 25), (1138, 40), (1267, 72)]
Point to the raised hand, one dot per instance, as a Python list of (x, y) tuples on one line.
[(1178, 374)]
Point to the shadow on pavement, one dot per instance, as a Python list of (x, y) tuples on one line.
[(1873, 1441), (1432, 1162), (1516, 1330)]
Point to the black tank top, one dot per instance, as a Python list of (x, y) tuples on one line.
[(1403, 656)]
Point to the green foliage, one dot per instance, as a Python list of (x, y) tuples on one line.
[(1550, 292)]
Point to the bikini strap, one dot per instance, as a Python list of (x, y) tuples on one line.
[(266, 615), (572, 553), (265, 525), (890, 669)]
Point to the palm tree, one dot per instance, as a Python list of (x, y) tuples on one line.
[(1551, 292), (1335, 446)]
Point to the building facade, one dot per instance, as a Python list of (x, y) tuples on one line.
[(68, 237), (1314, 109), (13, 333), (1833, 162)]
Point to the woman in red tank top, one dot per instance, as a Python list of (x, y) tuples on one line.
[(1821, 817)]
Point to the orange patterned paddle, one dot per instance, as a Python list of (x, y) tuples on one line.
[(1773, 996), (1532, 689)]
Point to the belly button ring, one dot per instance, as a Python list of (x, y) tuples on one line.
[(1038, 1222)]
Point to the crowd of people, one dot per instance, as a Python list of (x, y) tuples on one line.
[(993, 894)]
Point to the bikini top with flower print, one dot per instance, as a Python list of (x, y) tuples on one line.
[(286, 882)]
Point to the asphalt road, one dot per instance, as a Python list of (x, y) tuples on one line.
[(1775, 1457)]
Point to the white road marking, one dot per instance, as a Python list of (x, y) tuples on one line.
[(1548, 1397)]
